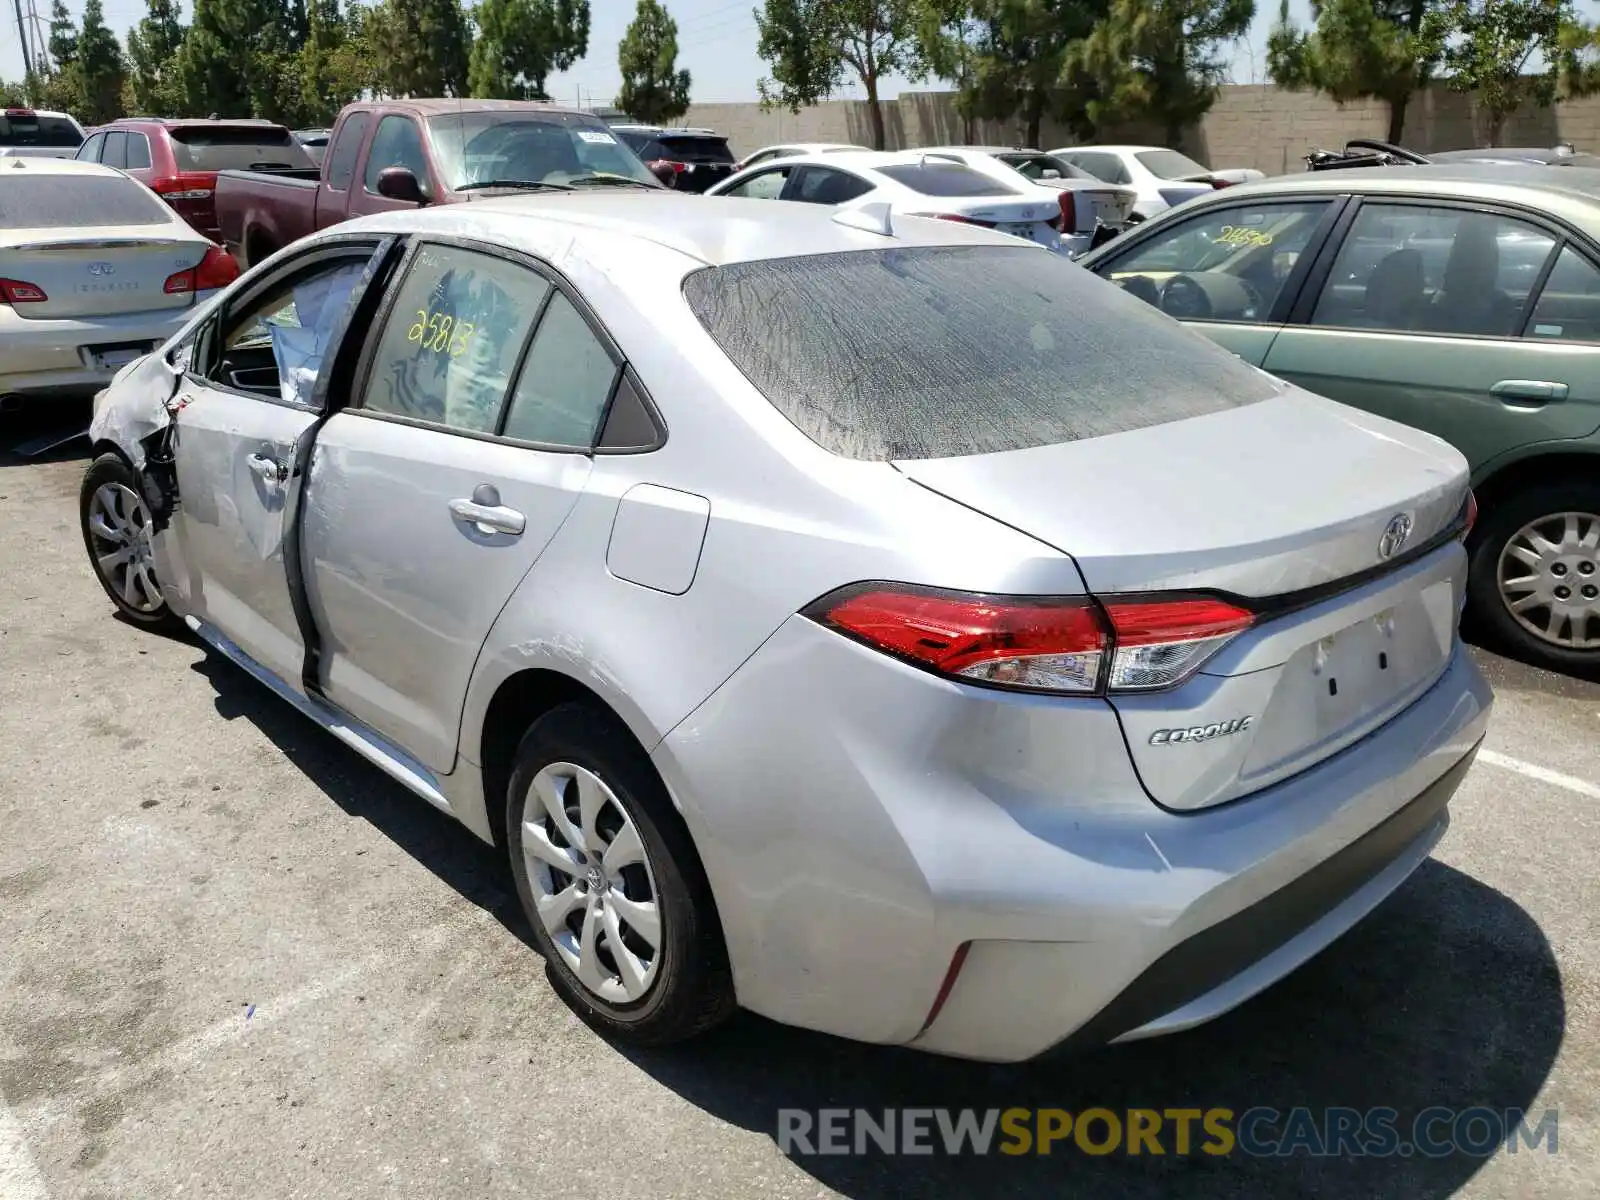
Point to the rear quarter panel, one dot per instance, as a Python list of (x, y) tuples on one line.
[(253, 208)]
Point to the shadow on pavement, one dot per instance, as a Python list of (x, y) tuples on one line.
[(1448, 995)]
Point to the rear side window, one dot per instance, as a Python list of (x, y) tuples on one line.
[(934, 352), (342, 157), (565, 382), (697, 149), (61, 201), (453, 338), (20, 127), (138, 152), (946, 179), (236, 148)]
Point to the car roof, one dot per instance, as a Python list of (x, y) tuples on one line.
[(988, 149), (715, 230), (1107, 149), (57, 166), (436, 106), (18, 109)]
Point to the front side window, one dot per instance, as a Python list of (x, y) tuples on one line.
[(453, 338), (766, 186), (1569, 306), (565, 381), (487, 147), (276, 345), (1417, 269), (1226, 264), (937, 351), (398, 143)]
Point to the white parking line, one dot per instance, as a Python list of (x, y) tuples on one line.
[(19, 1174), (1571, 783)]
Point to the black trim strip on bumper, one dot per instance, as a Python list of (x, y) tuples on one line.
[(1213, 956)]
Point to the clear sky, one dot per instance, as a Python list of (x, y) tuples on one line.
[(716, 42)]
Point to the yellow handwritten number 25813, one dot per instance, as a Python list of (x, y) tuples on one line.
[(440, 332)]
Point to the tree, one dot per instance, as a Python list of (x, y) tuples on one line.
[(520, 42), (325, 82), (63, 42), (153, 45), (653, 89), (809, 44), (100, 67), (947, 33), (1029, 63), (1486, 47), (422, 47), (1356, 50), (1159, 60)]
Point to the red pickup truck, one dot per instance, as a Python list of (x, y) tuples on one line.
[(406, 153)]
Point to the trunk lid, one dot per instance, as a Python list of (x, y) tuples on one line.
[(99, 276), (1286, 504)]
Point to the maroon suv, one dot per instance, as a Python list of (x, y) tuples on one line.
[(179, 159)]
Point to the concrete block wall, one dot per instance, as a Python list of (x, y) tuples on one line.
[(1250, 126)]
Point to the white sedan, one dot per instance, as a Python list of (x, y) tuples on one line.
[(912, 184), (1093, 203), (95, 271), (1162, 178)]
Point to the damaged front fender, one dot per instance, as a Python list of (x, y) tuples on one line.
[(135, 415)]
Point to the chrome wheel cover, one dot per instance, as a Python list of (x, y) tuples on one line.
[(1549, 579), (119, 527), (592, 884)]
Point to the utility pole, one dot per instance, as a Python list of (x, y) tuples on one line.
[(22, 31)]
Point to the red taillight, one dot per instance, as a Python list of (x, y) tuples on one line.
[(25, 114), (190, 186), (1472, 513), (677, 168), (1034, 643), (1069, 212), (1219, 184), (217, 269), (14, 291), (957, 218)]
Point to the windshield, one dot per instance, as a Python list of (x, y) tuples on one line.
[(480, 147), (1169, 164), (20, 127), (930, 352)]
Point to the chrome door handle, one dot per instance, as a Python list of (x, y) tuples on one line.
[(268, 470), (1528, 391), (488, 518)]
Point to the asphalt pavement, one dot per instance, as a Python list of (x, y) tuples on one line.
[(237, 961)]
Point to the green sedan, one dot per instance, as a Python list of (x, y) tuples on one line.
[(1463, 300)]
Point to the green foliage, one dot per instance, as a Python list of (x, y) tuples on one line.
[(421, 47), (63, 36), (99, 68), (152, 87), (653, 89), (809, 45), (1028, 63), (1159, 60), (520, 42), (1509, 53), (1357, 49)]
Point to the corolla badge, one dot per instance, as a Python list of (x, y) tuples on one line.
[(1201, 733), (102, 268), (1394, 536)]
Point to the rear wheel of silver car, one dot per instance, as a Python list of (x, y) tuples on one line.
[(610, 882), (1536, 574), (117, 533)]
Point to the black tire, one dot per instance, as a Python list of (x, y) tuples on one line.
[(693, 988), (1489, 611), (112, 469)]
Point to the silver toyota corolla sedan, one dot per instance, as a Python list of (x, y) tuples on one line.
[(878, 623)]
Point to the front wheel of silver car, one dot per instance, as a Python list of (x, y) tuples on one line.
[(610, 882), (1536, 574), (116, 533)]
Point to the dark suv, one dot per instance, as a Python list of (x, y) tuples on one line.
[(179, 159), (696, 158)]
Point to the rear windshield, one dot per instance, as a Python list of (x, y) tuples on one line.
[(1169, 164), (1035, 165), (236, 148), (59, 201), (696, 149), (31, 129), (935, 352), (946, 179)]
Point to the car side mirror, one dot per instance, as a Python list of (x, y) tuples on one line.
[(399, 183), (664, 172)]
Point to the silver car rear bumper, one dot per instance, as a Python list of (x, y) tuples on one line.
[(850, 868)]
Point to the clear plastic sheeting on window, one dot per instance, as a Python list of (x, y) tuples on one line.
[(933, 352), (298, 348)]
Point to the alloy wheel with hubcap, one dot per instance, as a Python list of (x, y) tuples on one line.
[(119, 525), (593, 886), (1548, 575)]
